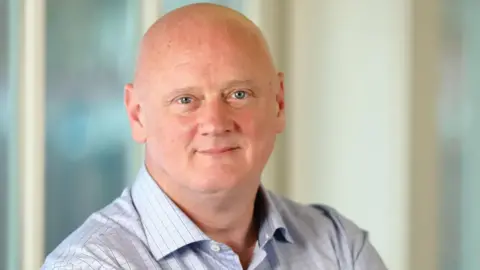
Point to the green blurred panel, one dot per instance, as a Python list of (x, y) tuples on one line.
[(3, 132), (459, 129), (90, 54), (470, 211)]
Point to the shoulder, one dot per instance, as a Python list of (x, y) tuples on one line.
[(319, 217), (323, 229), (103, 241)]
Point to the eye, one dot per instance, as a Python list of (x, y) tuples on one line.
[(240, 94), (184, 100)]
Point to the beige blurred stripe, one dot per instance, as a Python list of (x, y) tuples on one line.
[(31, 106)]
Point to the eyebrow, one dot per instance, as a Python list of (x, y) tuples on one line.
[(227, 85), (183, 90), (235, 83)]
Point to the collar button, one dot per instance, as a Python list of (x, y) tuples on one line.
[(214, 247)]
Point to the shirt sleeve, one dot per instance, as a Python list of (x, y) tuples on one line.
[(92, 246), (365, 255), (80, 261), (355, 250)]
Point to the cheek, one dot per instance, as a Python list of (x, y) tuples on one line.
[(172, 132), (256, 125)]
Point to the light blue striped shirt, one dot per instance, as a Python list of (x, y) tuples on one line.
[(144, 229)]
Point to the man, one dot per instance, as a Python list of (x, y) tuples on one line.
[(208, 103)]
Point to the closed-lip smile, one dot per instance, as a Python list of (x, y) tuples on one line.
[(217, 150)]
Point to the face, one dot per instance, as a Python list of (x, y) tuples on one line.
[(210, 116)]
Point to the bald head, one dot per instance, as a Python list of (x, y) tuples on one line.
[(204, 16), (200, 31), (206, 100)]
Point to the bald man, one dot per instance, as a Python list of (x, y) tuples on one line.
[(207, 102)]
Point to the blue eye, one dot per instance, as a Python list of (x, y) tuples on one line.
[(240, 94), (184, 100)]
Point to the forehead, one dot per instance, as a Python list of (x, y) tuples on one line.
[(206, 66), (212, 52), (204, 61), (196, 53)]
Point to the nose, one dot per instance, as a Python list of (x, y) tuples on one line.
[(215, 118)]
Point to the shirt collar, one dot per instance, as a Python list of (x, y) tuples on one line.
[(272, 224), (167, 228)]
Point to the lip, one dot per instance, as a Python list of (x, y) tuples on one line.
[(217, 150)]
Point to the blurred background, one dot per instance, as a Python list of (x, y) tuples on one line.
[(383, 106)]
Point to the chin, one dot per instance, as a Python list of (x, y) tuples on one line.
[(214, 181)]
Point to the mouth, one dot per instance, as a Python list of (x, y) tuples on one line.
[(217, 150)]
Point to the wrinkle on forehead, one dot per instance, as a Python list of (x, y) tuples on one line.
[(207, 30)]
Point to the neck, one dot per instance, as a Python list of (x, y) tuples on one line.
[(226, 217)]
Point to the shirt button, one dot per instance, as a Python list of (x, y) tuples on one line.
[(214, 247)]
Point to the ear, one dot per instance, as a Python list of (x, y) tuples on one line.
[(280, 98), (135, 113)]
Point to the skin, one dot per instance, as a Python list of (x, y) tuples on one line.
[(207, 102)]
